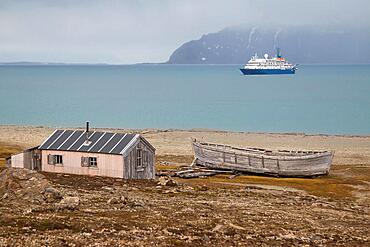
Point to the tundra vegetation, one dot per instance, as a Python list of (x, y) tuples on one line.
[(222, 210)]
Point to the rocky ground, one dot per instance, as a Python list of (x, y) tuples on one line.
[(44, 209), (68, 210)]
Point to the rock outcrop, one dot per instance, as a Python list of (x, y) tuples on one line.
[(26, 185), (299, 45)]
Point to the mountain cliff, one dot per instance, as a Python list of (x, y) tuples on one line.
[(299, 45)]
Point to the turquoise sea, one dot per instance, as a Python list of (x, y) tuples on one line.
[(327, 99)]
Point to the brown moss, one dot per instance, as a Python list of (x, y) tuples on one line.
[(340, 184), (334, 186), (175, 158), (6, 150), (165, 167), (170, 162)]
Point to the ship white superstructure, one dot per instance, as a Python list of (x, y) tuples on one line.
[(266, 65)]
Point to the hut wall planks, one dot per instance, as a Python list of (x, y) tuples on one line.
[(139, 163), (108, 165)]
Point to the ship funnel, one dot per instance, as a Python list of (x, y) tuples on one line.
[(278, 52)]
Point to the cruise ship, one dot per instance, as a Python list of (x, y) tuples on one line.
[(268, 66)]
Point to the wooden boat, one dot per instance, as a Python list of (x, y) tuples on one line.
[(260, 161)]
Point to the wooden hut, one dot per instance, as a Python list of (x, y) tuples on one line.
[(29, 159), (128, 156)]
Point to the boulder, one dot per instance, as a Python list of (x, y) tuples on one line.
[(52, 195), (69, 202), (167, 181), (113, 200)]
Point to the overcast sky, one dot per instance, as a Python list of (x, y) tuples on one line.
[(108, 31)]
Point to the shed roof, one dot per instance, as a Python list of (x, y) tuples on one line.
[(100, 142)]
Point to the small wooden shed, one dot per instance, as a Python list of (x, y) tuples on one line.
[(128, 156), (29, 159)]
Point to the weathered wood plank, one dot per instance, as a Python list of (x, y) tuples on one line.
[(286, 163)]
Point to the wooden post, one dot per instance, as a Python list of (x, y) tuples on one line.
[(249, 161), (263, 162), (194, 162)]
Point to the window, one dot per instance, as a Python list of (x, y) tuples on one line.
[(139, 157), (89, 161), (55, 159), (93, 162), (58, 159)]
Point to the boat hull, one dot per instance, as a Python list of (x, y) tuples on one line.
[(267, 71), (263, 162)]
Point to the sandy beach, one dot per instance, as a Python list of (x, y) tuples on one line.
[(348, 149)]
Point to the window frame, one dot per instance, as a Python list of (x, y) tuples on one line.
[(58, 159), (93, 162), (55, 159), (89, 161), (139, 157), (145, 158)]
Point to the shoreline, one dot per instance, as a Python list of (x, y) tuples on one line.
[(158, 130)]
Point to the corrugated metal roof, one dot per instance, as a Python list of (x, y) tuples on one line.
[(100, 142)]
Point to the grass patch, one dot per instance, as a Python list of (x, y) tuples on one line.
[(337, 185), (165, 167), (175, 158), (48, 225), (6, 151), (170, 162), (40, 225), (340, 184)]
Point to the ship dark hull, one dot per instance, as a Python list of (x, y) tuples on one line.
[(267, 71)]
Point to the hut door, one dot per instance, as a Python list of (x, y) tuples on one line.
[(36, 160), (135, 163)]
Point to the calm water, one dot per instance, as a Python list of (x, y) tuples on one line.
[(318, 99)]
